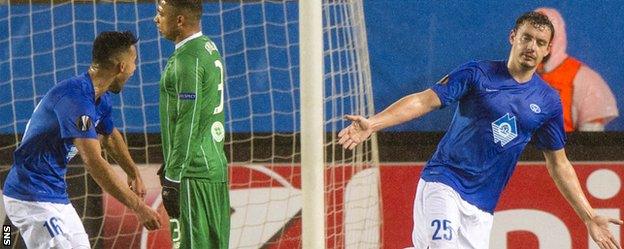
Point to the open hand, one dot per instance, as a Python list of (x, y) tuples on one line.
[(598, 228), (356, 133)]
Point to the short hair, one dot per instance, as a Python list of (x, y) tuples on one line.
[(109, 45), (191, 7), (537, 20)]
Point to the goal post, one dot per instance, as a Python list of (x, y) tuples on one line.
[(312, 133)]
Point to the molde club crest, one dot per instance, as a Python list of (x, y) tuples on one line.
[(504, 129)]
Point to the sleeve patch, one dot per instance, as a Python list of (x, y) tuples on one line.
[(83, 123), (188, 96)]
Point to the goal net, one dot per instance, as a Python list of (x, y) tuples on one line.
[(42, 42)]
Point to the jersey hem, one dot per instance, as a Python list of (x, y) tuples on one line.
[(441, 180), (62, 200)]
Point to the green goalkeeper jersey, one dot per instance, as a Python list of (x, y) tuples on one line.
[(191, 112)]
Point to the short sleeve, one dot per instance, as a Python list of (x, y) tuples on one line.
[(75, 117), (456, 84), (551, 135)]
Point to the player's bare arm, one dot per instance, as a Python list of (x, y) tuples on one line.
[(100, 170), (562, 172), (405, 109), (117, 148)]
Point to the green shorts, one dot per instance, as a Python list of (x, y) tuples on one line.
[(204, 215)]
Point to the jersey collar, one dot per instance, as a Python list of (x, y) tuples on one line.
[(193, 36)]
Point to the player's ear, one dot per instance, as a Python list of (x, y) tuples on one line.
[(512, 35), (122, 66), (549, 48), (180, 20)]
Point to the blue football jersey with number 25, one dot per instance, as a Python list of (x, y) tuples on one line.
[(495, 119)]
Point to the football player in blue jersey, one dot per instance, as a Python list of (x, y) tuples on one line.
[(501, 106), (74, 117)]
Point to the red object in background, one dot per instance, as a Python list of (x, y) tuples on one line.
[(522, 240), (530, 188), (121, 228)]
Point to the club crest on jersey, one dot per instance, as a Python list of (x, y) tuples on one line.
[(504, 129), (83, 123), (187, 96), (218, 132), (535, 108)]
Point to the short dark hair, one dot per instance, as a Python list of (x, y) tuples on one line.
[(192, 7), (108, 45), (537, 20)]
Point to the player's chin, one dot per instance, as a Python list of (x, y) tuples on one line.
[(115, 89), (528, 64), (164, 34), (118, 83)]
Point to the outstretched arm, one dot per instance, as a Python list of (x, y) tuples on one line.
[(103, 175), (405, 109), (117, 148), (567, 182)]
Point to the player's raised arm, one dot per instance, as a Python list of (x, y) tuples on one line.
[(568, 184), (102, 173), (407, 108), (116, 146), (450, 89)]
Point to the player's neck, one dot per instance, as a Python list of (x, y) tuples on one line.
[(101, 79), (186, 33), (519, 73)]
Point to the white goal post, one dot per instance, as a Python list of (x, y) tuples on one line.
[(312, 132)]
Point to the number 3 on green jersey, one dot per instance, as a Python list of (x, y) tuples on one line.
[(219, 108)]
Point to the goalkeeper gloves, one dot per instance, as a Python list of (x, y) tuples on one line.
[(170, 194)]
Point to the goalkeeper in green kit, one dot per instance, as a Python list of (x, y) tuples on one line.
[(194, 174)]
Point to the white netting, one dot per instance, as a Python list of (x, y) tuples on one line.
[(42, 43)]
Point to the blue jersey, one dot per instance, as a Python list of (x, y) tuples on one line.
[(67, 111), (495, 119)]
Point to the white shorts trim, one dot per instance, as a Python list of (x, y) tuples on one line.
[(47, 225), (443, 220)]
